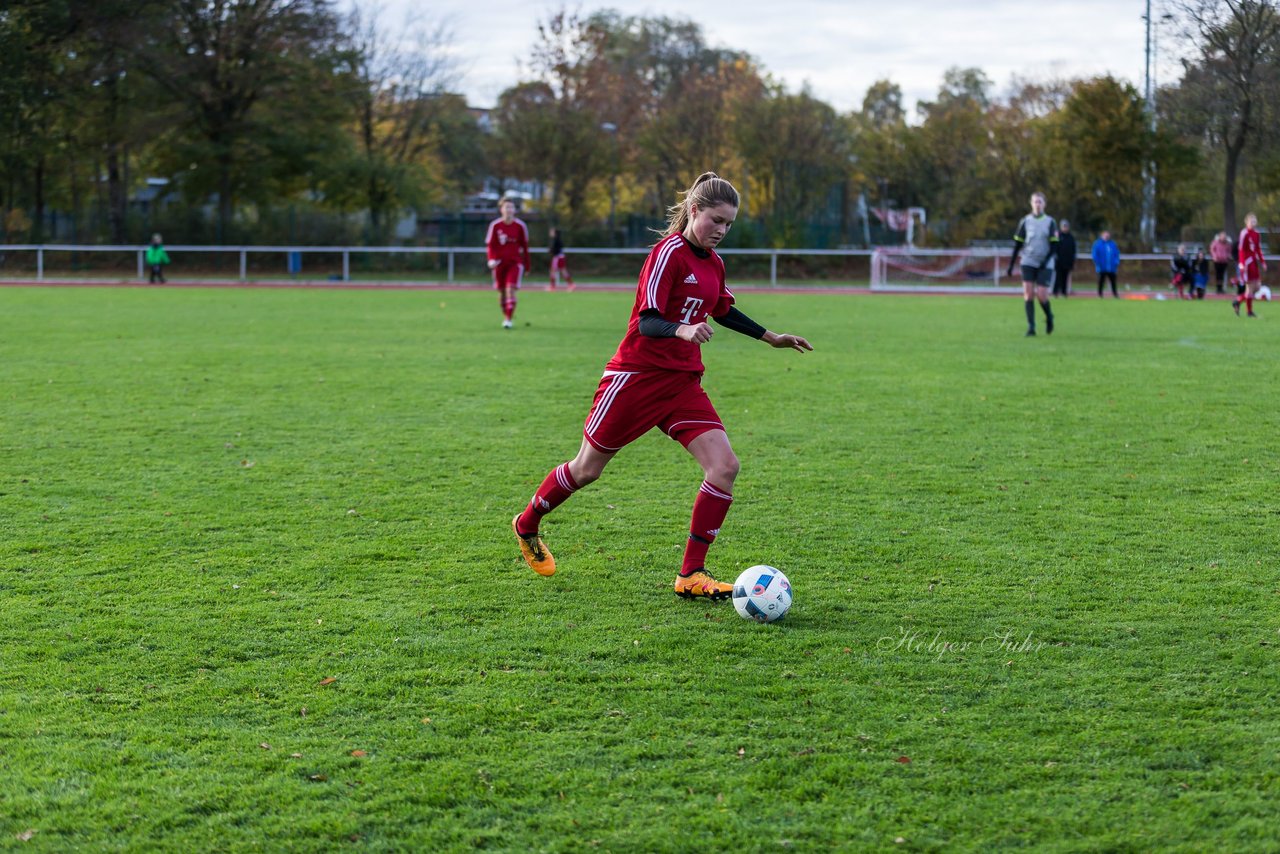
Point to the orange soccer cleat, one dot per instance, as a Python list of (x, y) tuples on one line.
[(534, 551), (700, 585)]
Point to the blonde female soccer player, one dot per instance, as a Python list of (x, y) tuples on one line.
[(655, 380)]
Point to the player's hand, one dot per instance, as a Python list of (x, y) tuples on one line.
[(783, 341), (493, 264), (696, 333)]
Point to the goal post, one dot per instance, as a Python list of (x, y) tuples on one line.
[(904, 268)]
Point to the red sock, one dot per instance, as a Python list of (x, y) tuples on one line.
[(709, 510), (555, 490), (1249, 302)]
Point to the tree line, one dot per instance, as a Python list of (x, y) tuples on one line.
[(250, 107)]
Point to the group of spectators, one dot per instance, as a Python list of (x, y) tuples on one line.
[(1105, 254), (1191, 273)]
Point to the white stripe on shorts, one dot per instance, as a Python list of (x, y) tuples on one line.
[(619, 379)]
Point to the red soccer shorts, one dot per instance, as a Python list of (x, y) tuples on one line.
[(629, 404), (1249, 272), (507, 274)]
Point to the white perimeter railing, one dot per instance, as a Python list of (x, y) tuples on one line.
[(879, 274), (450, 253)]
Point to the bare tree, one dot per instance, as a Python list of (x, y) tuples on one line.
[(1233, 78), (403, 74)]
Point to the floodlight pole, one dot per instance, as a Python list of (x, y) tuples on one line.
[(1148, 225)]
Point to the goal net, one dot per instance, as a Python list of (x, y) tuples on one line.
[(903, 268)]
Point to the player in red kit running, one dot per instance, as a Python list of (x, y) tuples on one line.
[(1252, 264), (655, 380), (508, 247)]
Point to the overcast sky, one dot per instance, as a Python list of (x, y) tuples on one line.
[(837, 48)]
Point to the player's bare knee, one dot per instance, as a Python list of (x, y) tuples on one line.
[(587, 468), (724, 472)]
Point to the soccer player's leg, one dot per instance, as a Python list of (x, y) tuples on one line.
[(1028, 298), (555, 489), (1042, 293), (695, 424), (616, 419)]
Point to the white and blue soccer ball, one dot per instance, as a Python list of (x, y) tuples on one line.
[(762, 593)]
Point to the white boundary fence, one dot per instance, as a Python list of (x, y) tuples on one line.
[(881, 277), (450, 253)]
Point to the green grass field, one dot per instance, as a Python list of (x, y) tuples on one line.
[(258, 588)]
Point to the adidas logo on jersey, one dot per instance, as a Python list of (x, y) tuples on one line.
[(690, 279)]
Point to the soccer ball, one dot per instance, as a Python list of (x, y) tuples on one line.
[(1264, 292), (762, 593)]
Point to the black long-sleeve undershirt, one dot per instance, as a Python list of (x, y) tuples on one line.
[(652, 324)]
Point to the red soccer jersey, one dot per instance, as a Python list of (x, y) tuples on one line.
[(508, 241), (687, 287), (1250, 249)]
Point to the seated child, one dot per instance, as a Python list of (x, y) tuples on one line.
[(1199, 275)]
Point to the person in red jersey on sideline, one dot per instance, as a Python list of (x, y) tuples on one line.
[(507, 243), (559, 266), (1252, 264), (655, 380)]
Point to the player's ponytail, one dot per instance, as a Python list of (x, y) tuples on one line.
[(707, 191)]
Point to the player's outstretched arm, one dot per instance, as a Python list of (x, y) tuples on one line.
[(782, 341)]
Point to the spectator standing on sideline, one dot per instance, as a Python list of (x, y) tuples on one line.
[(157, 259), (559, 267), (1180, 271), (1066, 260), (1106, 260), (507, 244), (1221, 251), (1199, 274)]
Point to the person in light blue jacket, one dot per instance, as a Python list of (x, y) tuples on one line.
[(1106, 260)]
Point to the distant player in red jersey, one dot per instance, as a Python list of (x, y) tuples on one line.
[(1252, 264), (559, 267), (655, 380), (508, 247)]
